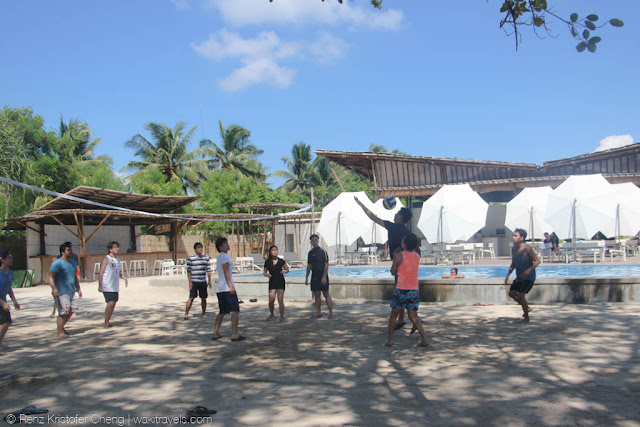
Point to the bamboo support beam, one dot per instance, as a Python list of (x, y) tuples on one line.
[(66, 228), (98, 227)]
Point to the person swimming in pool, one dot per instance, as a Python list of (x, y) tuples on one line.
[(453, 275)]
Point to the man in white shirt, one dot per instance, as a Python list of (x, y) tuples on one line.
[(109, 280), (226, 292)]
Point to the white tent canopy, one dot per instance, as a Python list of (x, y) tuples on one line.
[(343, 220), (455, 212), (581, 206), (527, 211), (377, 233)]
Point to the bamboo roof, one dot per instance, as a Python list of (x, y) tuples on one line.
[(121, 199), (114, 217), (267, 206)]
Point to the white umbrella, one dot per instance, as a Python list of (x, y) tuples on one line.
[(454, 213), (377, 233), (581, 206), (343, 220), (626, 220), (527, 211)]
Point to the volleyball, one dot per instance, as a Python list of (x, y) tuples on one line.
[(389, 202)]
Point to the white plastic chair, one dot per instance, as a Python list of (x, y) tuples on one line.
[(489, 251)]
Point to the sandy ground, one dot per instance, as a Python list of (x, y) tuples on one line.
[(573, 365)]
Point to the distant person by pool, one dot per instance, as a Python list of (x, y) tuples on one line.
[(453, 275)]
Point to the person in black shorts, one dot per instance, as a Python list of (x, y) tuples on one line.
[(318, 266), (525, 261), (275, 268), (199, 276), (226, 292)]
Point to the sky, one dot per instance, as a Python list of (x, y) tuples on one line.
[(430, 78)]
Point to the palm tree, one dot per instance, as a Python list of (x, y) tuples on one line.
[(236, 153), (300, 171), (169, 154), (323, 181), (375, 148), (75, 144)]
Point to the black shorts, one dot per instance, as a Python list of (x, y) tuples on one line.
[(198, 288), (317, 286), (273, 286), (5, 316), (110, 296), (522, 286), (228, 302)]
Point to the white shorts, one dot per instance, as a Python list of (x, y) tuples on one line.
[(67, 304)]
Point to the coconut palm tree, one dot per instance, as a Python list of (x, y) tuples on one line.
[(235, 153), (75, 144), (299, 173), (169, 154), (375, 148)]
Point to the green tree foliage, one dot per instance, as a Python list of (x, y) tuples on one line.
[(236, 153), (374, 148), (168, 154), (57, 161), (537, 14), (299, 173), (152, 181), (74, 144), (302, 174), (15, 161), (99, 173)]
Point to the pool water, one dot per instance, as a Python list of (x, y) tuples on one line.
[(485, 272)]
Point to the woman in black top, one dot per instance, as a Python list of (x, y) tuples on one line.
[(275, 268)]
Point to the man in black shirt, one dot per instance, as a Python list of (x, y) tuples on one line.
[(396, 231), (318, 266)]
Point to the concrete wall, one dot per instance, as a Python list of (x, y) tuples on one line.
[(463, 291)]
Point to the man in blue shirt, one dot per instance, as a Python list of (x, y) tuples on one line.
[(6, 277), (64, 283)]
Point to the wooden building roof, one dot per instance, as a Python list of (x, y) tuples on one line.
[(401, 175)]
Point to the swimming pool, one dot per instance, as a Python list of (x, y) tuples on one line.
[(486, 272)]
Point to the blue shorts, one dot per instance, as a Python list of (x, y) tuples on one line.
[(522, 286), (228, 302), (405, 299)]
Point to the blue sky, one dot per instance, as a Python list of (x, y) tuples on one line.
[(431, 78)]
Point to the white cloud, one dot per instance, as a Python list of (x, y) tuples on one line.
[(328, 48), (252, 12), (181, 4), (614, 141), (255, 71), (259, 58)]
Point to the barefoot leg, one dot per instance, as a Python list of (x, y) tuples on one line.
[(392, 325), (413, 316)]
